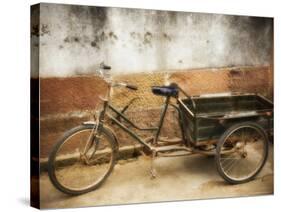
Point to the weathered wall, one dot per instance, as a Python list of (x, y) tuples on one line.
[(75, 39), (62, 109), (204, 53)]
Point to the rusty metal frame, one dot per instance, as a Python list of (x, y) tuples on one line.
[(267, 113), (134, 135), (158, 144)]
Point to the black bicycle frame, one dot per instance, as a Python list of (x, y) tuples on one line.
[(156, 129)]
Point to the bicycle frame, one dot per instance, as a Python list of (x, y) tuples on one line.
[(156, 129)]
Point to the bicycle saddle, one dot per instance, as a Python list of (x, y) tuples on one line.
[(170, 90)]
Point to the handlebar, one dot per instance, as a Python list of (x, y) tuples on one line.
[(132, 87), (129, 86), (106, 67), (104, 73)]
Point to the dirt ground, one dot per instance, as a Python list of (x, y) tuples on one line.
[(178, 178)]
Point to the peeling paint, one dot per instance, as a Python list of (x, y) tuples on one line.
[(134, 40)]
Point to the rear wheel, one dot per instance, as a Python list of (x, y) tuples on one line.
[(73, 172), (242, 152)]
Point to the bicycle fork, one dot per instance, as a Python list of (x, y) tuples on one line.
[(94, 137), (93, 141)]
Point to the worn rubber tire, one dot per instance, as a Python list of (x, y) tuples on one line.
[(52, 157)]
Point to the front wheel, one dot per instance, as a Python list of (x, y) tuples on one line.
[(75, 171), (241, 152)]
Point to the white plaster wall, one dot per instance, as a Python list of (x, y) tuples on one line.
[(75, 39)]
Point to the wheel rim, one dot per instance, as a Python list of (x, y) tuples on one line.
[(242, 153), (70, 169)]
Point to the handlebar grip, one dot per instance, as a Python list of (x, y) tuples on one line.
[(132, 87), (106, 67)]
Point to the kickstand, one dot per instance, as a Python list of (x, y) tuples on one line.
[(153, 172)]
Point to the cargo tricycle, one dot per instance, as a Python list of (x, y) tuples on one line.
[(233, 127)]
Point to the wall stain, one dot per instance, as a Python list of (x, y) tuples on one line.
[(76, 39), (147, 38), (160, 18), (45, 30), (112, 35), (135, 35), (98, 17), (35, 30), (251, 36), (40, 30), (102, 37), (167, 37), (95, 45), (68, 39), (173, 16), (99, 39)]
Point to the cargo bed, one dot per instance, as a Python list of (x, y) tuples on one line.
[(206, 117)]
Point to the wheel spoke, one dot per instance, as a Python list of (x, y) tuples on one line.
[(229, 163), (100, 157), (232, 166)]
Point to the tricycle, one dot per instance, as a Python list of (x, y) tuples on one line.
[(233, 127)]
